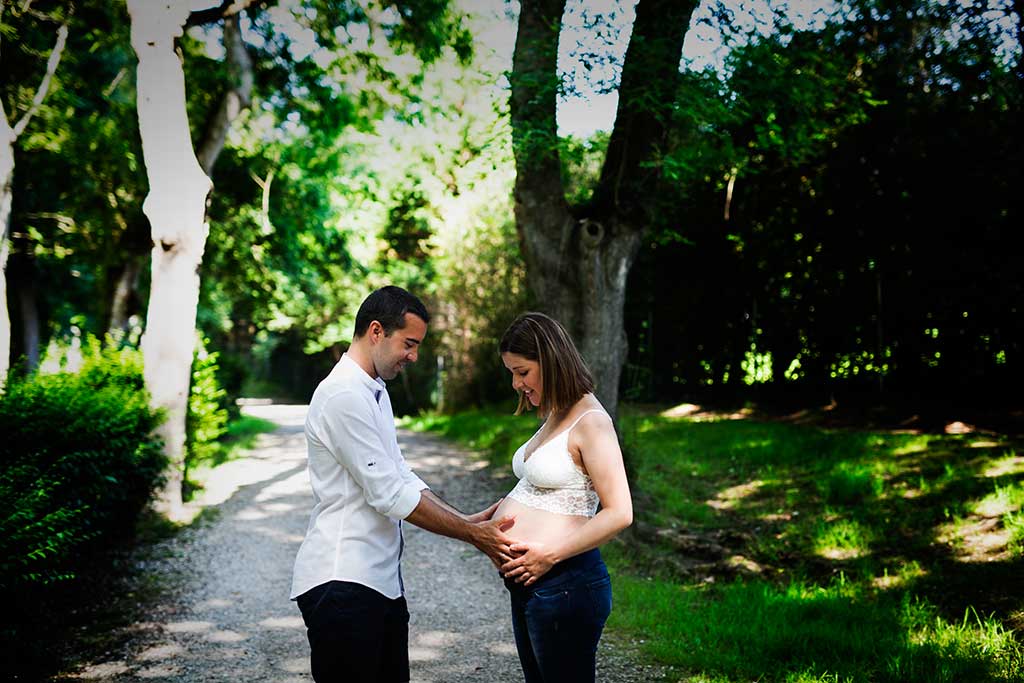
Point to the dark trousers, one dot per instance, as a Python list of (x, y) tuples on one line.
[(356, 635), (558, 620)]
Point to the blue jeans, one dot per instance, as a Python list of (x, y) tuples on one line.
[(558, 620)]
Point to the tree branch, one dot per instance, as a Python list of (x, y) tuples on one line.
[(534, 83), (44, 85), (228, 8), (237, 98), (650, 76)]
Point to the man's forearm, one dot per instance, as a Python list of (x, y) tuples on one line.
[(436, 516), (441, 502)]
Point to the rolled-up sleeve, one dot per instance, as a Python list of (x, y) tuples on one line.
[(410, 477), (349, 432)]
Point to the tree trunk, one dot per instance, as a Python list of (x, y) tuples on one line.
[(7, 138), (578, 258), (21, 277), (237, 98), (176, 209), (125, 287), (30, 325)]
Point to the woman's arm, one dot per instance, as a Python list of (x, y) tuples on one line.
[(598, 445)]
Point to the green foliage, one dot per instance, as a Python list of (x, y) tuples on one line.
[(79, 464), (207, 417), (581, 165), (812, 211)]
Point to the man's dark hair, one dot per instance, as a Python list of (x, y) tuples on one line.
[(388, 306)]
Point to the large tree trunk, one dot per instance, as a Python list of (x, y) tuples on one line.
[(7, 138), (123, 282), (176, 205), (176, 208), (578, 258)]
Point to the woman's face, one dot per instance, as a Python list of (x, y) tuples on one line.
[(526, 377)]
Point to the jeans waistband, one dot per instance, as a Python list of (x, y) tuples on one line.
[(583, 561)]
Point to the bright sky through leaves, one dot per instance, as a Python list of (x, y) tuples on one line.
[(594, 38)]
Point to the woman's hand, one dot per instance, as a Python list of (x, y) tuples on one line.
[(533, 561), (484, 515)]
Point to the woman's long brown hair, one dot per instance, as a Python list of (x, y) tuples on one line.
[(566, 378)]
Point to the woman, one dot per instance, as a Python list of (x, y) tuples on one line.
[(559, 586)]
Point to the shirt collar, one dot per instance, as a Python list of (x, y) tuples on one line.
[(353, 369)]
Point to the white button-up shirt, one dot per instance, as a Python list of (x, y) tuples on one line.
[(362, 486)]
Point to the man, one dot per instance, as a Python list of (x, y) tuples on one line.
[(348, 579)]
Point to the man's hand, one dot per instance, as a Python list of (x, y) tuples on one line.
[(490, 539), (532, 561), (484, 515)]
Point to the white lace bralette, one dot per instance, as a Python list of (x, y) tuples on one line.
[(549, 479)]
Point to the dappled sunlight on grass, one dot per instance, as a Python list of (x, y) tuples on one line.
[(904, 575), (913, 445), (780, 552), (729, 498), (1004, 499), (1009, 464), (754, 630), (842, 539), (681, 410)]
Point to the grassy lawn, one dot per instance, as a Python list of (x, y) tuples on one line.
[(240, 436), (768, 551)]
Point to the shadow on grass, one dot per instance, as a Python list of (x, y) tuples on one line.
[(756, 630), (846, 575)]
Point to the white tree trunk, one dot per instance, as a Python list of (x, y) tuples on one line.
[(7, 138), (176, 209)]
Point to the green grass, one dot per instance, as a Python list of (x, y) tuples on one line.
[(862, 540), (800, 631), (240, 436), (1015, 523), (494, 435)]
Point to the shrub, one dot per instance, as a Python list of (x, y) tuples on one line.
[(77, 466), (207, 416)]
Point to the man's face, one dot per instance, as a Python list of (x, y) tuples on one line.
[(391, 353)]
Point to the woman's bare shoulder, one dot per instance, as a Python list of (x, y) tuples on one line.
[(591, 417)]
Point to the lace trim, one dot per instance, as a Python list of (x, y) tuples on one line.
[(561, 501)]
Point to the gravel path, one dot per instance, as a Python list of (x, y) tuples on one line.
[(223, 613)]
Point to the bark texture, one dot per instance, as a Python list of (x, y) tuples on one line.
[(578, 258), (176, 209)]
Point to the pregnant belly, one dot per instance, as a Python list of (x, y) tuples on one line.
[(537, 525)]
